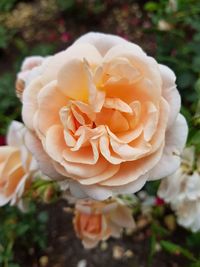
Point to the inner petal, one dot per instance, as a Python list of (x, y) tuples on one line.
[(118, 122), (121, 68), (13, 180), (141, 90), (85, 155), (151, 121), (114, 119), (73, 80)]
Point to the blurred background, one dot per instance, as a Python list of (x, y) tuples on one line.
[(169, 30)]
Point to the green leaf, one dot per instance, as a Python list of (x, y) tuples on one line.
[(186, 113), (3, 37), (22, 229), (195, 140), (13, 265), (197, 87), (152, 250), (185, 79), (152, 187), (196, 264), (176, 250), (43, 217), (65, 5), (196, 64), (158, 230), (43, 49), (193, 240), (151, 6), (7, 5)]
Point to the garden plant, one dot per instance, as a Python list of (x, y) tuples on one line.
[(99, 133)]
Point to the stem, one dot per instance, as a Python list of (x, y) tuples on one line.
[(8, 250)]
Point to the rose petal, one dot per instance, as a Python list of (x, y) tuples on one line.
[(103, 42), (170, 92), (175, 141), (44, 161), (68, 83), (74, 52), (50, 101), (15, 134)]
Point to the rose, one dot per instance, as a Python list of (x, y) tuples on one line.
[(22, 77), (17, 167), (96, 221), (105, 115), (182, 191), (175, 187)]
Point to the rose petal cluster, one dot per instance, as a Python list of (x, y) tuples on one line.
[(96, 221), (17, 166), (182, 191), (104, 116)]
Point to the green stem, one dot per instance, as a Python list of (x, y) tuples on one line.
[(8, 250)]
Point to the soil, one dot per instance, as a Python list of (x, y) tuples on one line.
[(65, 250)]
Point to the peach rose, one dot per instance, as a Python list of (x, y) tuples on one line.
[(105, 116), (28, 64), (96, 221), (17, 167)]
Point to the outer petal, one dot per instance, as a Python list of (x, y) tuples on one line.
[(15, 134), (132, 187), (93, 191), (102, 192), (169, 189), (30, 104), (133, 170), (4, 200), (44, 161), (48, 110), (175, 141), (31, 62), (170, 92), (103, 42)]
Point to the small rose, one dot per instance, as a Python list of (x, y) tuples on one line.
[(96, 221), (17, 167)]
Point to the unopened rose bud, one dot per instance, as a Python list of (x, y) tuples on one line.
[(49, 194), (28, 64), (19, 85)]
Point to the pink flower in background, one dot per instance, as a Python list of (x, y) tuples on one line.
[(159, 201), (65, 37), (2, 140)]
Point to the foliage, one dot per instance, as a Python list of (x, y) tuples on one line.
[(177, 33), (176, 43), (6, 5), (16, 227), (10, 106)]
